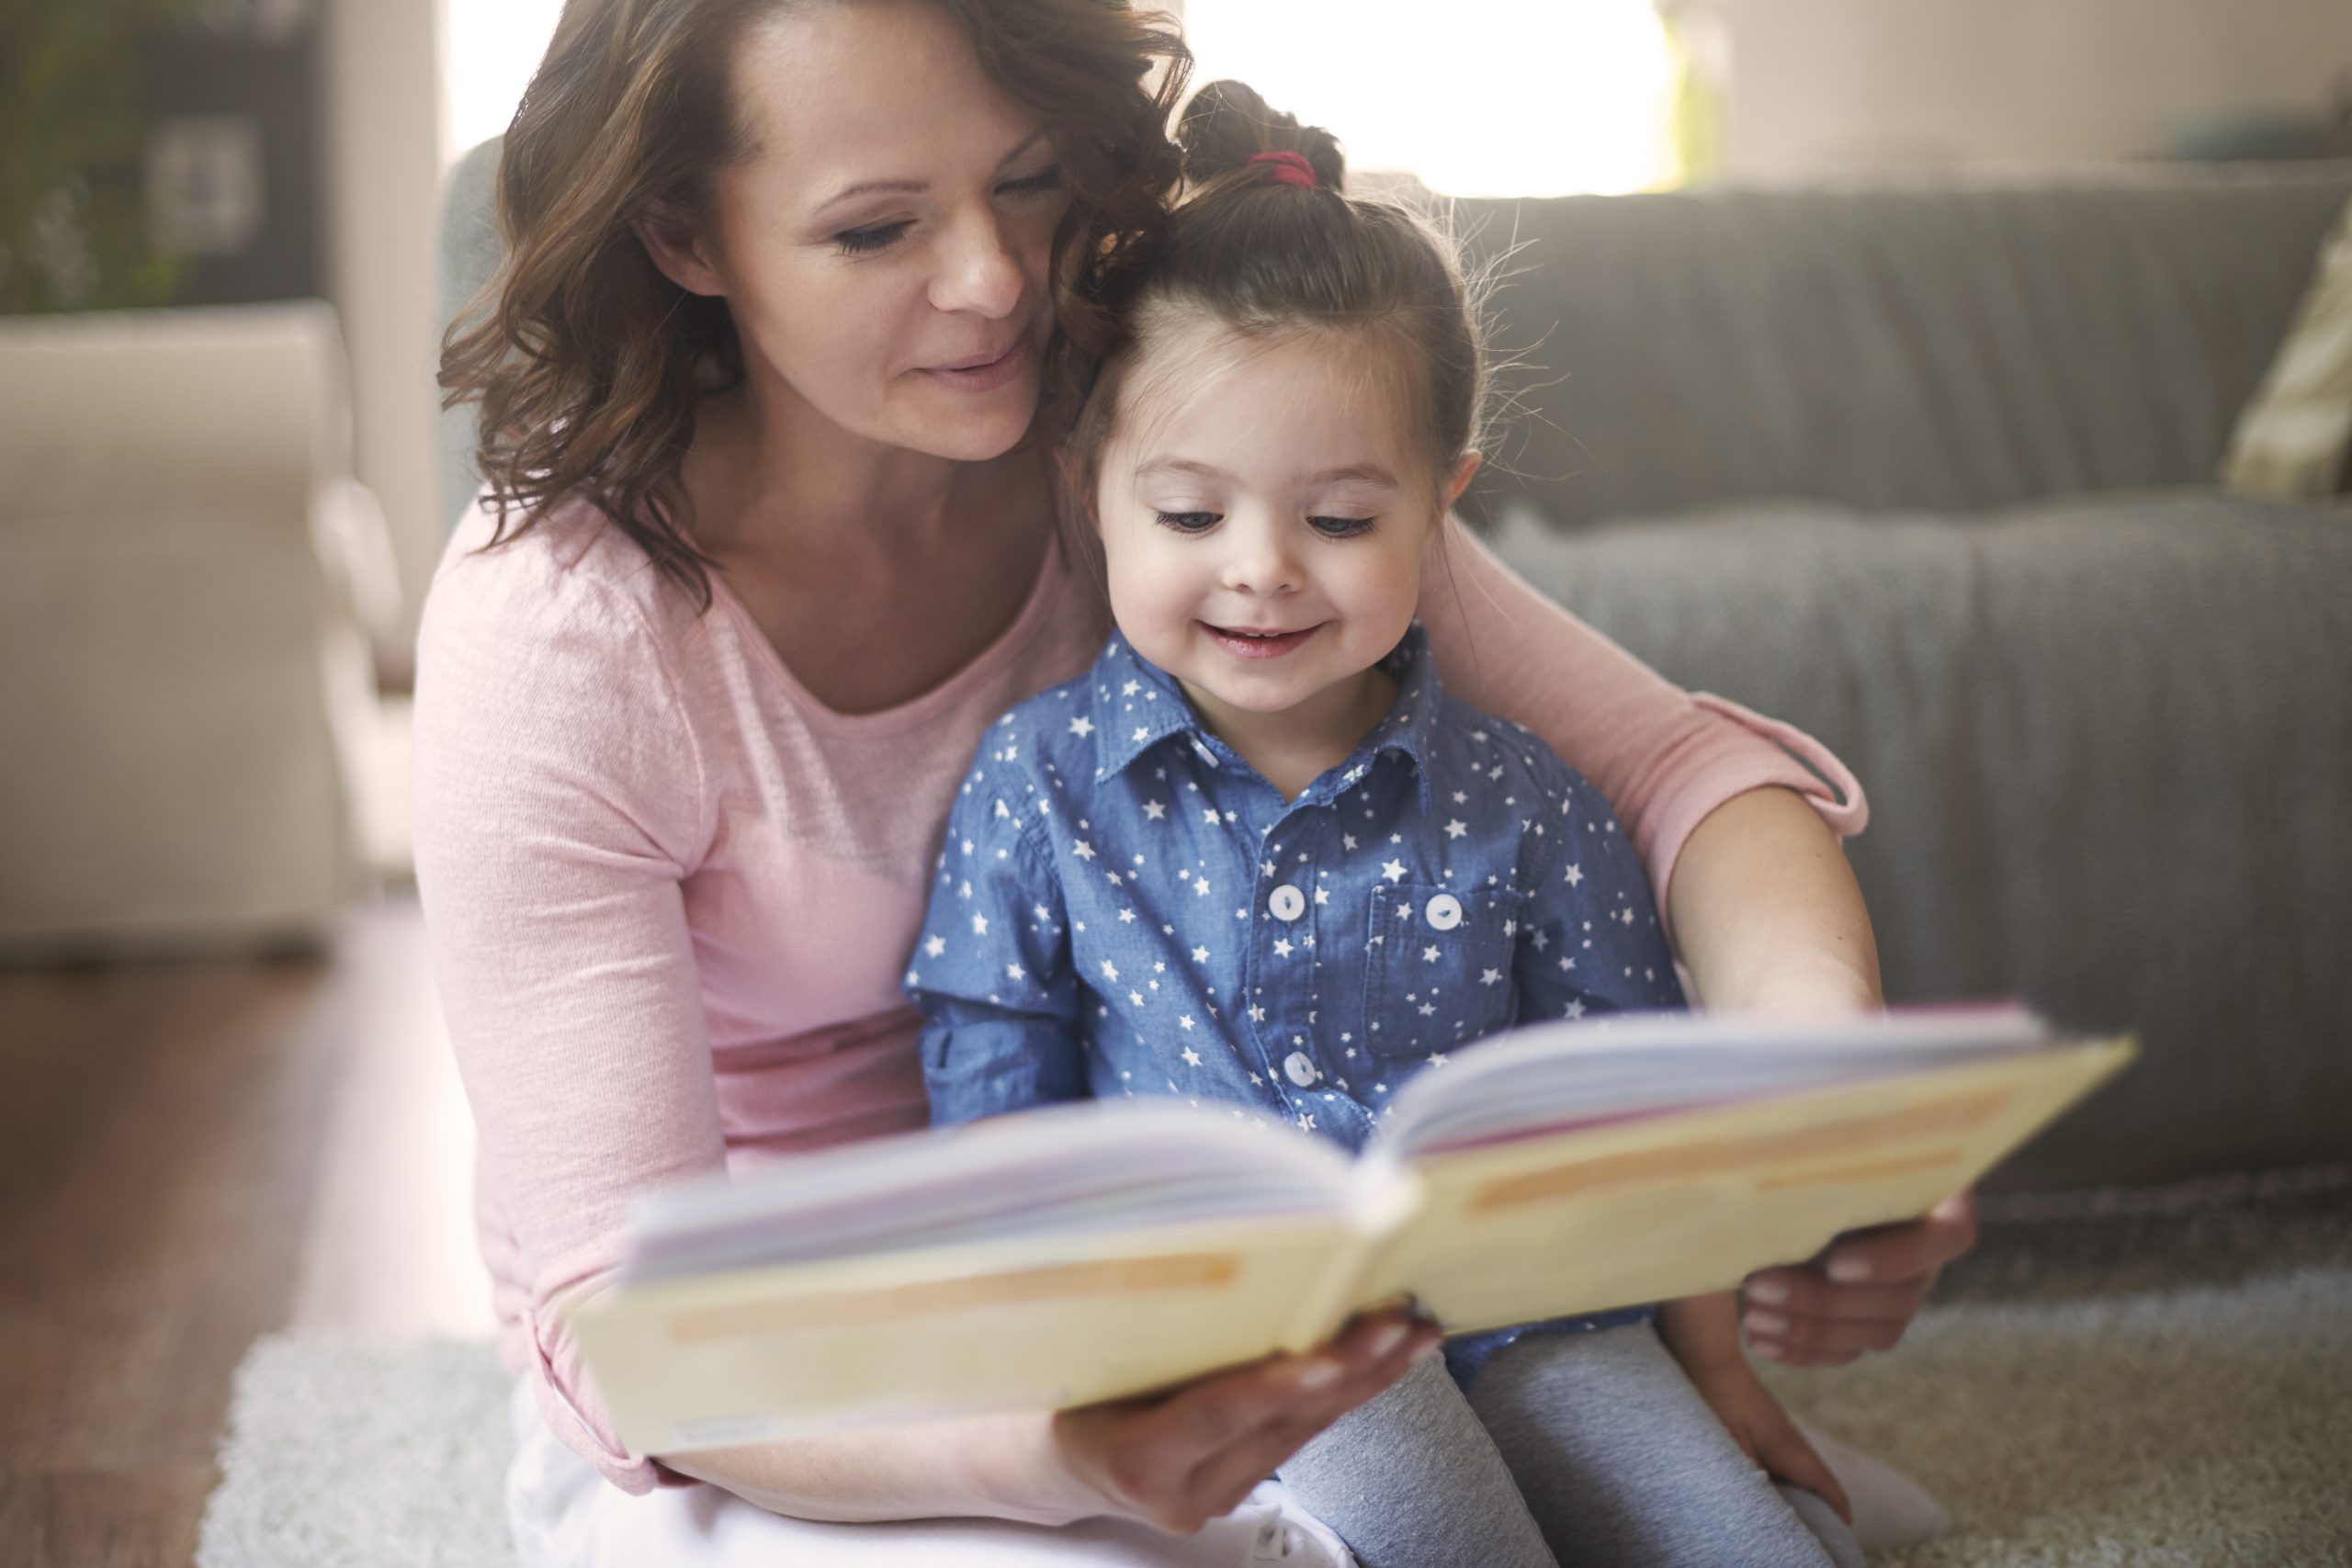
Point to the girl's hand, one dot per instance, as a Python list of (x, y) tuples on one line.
[(1859, 1295), (1180, 1460), (1766, 1433)]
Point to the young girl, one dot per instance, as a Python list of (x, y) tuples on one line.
[(1257, 856)]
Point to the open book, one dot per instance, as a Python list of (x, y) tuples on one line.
[(1086, 1252)]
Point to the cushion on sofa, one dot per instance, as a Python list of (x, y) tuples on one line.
[(2294, 440), (2108, 752)]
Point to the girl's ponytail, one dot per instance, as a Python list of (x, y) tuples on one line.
[(1227, 124)]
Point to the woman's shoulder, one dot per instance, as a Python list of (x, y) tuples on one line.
[(561, 643), (570, 575)]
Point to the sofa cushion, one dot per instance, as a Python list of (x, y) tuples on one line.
[(2108, 748), (2293, 441), (1955, 348)]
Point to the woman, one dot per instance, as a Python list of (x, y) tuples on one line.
[(795, 294)]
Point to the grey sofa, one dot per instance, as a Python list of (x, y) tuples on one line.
[(1928, 472)]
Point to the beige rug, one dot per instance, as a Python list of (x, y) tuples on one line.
[(2111, 1381)]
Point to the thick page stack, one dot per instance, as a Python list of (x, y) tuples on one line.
[(1089, 1251)]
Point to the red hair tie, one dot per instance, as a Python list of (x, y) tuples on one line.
[(1289, 168)]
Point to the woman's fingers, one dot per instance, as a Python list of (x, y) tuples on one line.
[(1385, 1356), (1858, 1296), (1798, 1318), (1181, 1459), (1912, 1250), (1824, 1341)]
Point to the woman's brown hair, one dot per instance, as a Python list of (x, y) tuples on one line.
[(589, 362), (1252, 248)]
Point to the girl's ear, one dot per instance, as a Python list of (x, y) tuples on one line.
[(1465, 470), (680, 253)]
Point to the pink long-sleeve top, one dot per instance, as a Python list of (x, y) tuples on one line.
[(669, 895)]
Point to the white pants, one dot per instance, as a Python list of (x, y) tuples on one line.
[(564, 1514)]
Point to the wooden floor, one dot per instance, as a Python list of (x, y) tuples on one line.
[(192, 1154)]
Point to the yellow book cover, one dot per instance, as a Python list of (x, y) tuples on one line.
[(1082, 1252)]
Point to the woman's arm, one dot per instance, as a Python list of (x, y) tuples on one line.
[(1767, 912), (1741, 844), (1176, 1461), (559, 805), (1665, 758)]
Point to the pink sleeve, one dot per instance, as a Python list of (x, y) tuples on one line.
[(1664, 757), (556, 798)]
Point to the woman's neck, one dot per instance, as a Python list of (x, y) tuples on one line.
[(768, 476), (1293, 748)]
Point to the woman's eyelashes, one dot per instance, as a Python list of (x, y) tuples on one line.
[(872, 237)]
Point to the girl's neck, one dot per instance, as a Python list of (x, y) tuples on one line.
[(1293, 748)]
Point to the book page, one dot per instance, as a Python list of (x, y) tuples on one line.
[(1643, 1209), (1033, 1323)]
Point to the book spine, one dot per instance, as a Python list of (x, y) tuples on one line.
[(1387, 1197)]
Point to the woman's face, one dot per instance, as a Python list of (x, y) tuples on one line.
[(885, 250)]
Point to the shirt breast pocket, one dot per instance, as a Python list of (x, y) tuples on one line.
[(1439, 973)]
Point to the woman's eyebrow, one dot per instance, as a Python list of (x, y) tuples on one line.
[(913, 187)]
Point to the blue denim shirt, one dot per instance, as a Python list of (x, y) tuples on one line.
[(1123, 907)]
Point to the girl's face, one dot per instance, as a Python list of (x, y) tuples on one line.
[(1264, 516), (886, 249)]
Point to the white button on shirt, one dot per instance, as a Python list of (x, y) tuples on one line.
[(1301, 1068), (1444, 912), (1288, 903)]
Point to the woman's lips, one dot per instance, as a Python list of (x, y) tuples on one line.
[(987, 377), (1243, 644)]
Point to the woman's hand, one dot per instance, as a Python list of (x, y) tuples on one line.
[(1765, 1433), (1180, 1460), (1859, 1295)]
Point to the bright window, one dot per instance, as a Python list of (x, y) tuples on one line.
[(494, 47), (1478, 98)]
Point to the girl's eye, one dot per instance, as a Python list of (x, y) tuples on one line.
[(1048, 179), (865, 242), (1341, 528), (1189, 522)]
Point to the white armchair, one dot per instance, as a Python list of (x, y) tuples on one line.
[(184, 688)]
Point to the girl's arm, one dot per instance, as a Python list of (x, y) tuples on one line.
[(991, 970)]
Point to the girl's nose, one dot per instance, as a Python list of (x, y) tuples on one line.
[(979, 272), (1257, 559)]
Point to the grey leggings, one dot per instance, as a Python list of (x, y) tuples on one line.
[(1570, 1449)]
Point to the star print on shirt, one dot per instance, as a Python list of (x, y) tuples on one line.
[(1088, 986)]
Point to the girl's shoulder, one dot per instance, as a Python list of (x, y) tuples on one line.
[(1505, 753)]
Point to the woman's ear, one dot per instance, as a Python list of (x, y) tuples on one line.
[(681, 254), (1465, 470)]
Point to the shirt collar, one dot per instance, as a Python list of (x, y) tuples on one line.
[(1137, 705)]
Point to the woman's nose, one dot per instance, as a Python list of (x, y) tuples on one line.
[(980, 272)]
